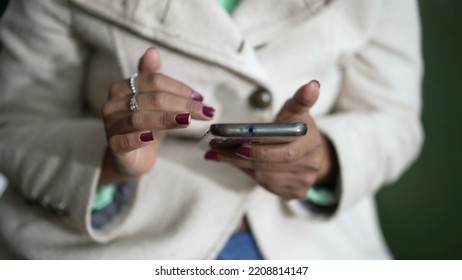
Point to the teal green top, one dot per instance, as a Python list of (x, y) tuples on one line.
[(229, 5), (104, 196), (324, 196)]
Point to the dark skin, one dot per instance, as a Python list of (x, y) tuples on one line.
[(287, 170), (135, 138)]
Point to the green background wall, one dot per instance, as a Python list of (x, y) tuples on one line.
[(421, 214)]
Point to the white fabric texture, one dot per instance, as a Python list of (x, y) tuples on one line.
[(60, 57)]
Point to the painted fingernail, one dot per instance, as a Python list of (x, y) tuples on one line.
[(319, 84), (183, 119), (208, 111), (147, 136), (244, 151), (211, 155), (197, 96)]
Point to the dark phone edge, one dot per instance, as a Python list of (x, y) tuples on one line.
[(258, 129)]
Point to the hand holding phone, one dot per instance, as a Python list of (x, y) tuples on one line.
[(287, 169)]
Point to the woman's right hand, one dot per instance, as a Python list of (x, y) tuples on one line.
[(134, 138)]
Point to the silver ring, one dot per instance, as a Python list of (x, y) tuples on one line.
[(133, 103)]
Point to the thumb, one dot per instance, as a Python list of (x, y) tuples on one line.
[(150, 61), (301, 102)]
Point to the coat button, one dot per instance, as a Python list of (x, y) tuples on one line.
[(261, 99)]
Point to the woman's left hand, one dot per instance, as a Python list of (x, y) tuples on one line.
[(289, 169)]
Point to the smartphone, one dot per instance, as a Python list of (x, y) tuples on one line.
[(233, 135)]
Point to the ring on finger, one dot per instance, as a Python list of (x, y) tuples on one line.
[(133, 103)]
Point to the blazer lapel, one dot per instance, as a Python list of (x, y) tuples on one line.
[(262, 20), (204, 30), (198, 28)]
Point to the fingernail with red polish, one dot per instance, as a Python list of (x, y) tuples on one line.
[(183, 119), (319, 84), (244, 151), (208, 111), (197, 96), (211, 155), (147, 136)]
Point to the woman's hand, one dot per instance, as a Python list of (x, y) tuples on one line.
[(134, 138), (288, 170)]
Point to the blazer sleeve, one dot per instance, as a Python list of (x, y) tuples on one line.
[(50, 152), (376, 127)]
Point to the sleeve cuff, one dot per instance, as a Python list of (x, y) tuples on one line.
[(122, 194)]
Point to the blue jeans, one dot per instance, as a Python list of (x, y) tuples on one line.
[(240, 246)]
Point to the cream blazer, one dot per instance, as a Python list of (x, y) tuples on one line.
[(59, 58)]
